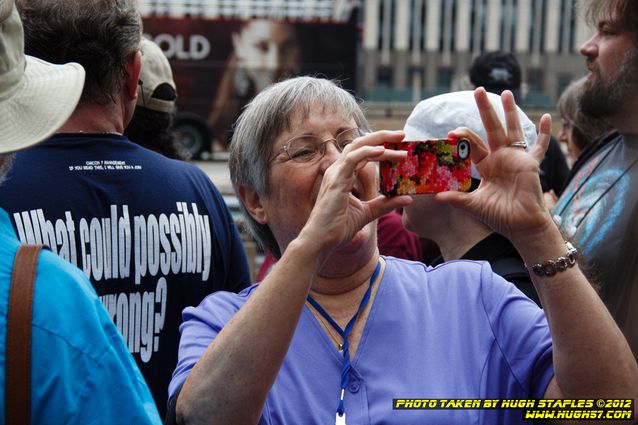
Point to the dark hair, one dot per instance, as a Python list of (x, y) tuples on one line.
[(154, 130), (626, 12), (101, 35), (497, 71)]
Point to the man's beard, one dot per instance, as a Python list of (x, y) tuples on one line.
[(6, 161), (603, 99)]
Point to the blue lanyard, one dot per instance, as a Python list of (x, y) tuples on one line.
[(345, 371)]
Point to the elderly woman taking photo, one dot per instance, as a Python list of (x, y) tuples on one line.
[(335, 331)]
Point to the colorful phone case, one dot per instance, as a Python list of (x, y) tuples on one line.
[(432, 166)]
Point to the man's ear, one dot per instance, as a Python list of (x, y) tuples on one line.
[(133, 67), (253, 204)]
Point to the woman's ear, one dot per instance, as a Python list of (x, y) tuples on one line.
[(252, 202)]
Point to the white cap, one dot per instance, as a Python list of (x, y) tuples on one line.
[(36, 97), (434, 117)]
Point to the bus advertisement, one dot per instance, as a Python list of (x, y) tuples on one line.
[(220, 64)]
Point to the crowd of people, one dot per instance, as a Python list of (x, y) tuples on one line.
[(143, 309)]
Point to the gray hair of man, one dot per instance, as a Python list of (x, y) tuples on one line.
[(269, 114), (100, 35), (6, 161)]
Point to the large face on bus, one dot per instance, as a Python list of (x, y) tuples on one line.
[(267, 50)]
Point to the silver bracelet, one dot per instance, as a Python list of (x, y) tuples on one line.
[(551, 267)]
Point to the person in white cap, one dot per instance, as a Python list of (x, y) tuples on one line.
[(152, 122), (80, 369), (152, 234), (460, 235)]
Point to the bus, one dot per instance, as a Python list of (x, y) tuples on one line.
[(224, 52)]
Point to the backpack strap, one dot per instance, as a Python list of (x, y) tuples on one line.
[(18, 344)]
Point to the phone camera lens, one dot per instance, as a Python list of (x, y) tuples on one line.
[(463, 149)]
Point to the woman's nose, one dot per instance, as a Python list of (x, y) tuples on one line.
[(331, 155)]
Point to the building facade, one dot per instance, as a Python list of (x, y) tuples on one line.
[(412, 49)]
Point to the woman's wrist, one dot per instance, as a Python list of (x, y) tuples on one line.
[(307, 250), (540, 246)]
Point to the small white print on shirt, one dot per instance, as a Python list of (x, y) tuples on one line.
[(107, 165)]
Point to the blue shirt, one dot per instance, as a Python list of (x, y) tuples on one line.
[(81, 371), (454, 331)]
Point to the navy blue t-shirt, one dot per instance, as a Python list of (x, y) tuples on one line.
[(153, 235)]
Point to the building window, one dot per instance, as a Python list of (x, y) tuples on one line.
[(384, 76), (444, 78)]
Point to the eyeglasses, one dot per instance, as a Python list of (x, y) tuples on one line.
[(308, 148)]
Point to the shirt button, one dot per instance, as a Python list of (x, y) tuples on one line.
[(354, 387)]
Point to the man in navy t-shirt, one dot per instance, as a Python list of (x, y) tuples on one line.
[(152, 234)]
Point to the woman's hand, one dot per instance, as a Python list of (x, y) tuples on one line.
[(509, 198), (338, 214)]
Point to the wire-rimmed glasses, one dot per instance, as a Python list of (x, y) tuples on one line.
[(308, 148)]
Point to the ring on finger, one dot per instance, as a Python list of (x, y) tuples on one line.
[(518, 144)]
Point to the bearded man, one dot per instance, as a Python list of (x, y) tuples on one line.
[(598, 210)]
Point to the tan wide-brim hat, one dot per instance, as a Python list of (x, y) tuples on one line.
[(36, 97)]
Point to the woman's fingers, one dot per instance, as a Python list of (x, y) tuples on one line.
[(496, 136), (354, 159), (375, 139), (461, 200), (382, 205), (512, 120), (369, 148), (542, 140), (478, 148)]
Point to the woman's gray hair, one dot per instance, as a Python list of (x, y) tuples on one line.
[(268, 115)]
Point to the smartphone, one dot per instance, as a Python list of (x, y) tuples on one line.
[(432, 166)]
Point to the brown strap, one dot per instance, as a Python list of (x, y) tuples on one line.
[(18, 354)]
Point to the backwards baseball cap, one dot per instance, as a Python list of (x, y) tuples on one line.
[(155, 71), (434, 117), (497, 71), (36, 97)]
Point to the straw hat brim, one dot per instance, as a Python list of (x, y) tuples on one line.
[(43, 101)]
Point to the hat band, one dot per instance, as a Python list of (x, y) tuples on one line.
[(159, 105)]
